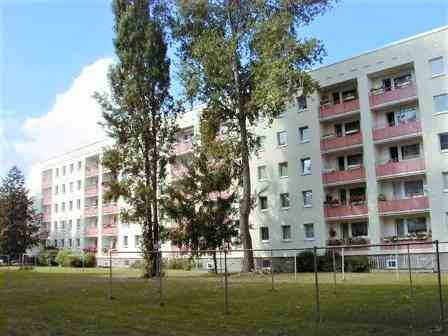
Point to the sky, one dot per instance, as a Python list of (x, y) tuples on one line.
[(55, 53)]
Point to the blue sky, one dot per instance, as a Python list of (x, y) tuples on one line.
[(47, 44)]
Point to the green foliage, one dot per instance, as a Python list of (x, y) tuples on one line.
[(19, 221), (63, 258), (179, 264), (138, 264), (89, 260), (357, 264), (139, 115), (305, 261), (246, 58), (47, 256)]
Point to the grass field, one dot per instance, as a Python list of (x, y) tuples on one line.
[(60, 301)]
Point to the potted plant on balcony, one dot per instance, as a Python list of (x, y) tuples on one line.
[(382, 198), (335, 242), (357, 200)]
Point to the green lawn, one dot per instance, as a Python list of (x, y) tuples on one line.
[(60, 301)]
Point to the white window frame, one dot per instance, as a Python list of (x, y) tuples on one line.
[(440, 142), (445, 181), (305, 205), (261, 234), (281, 201), (279, 136), (284, 164), (260, 169), (302, 140), (302, 164), (283, 227), (434, 102), (267, 202), (305, 231), (440, 58)]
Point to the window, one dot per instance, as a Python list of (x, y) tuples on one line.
[(307, 198), (78, 242), (63, 225), (410, 151), (359, 229), (125, 241), (404, 116), (70, 205), (282, 138), (306, 166), (71, 187), (309, 230), (72, 167), (354, 161), (286, 232), (261, 142), (78, 224), (70, 243), (304, 134), (79, 184), (55, 208), (443, 138), (264, 232), (284, 200), (63, 170), (263, 202), (262, 173), (63, 207), (55, 225), (441, 103), (137, 240), (79, 165), (283, 169), (63, 188), (301, 103), (352, 127), (78, 204), (402, 81), (416, 225), (56, 190), (437, 66), (413, 188), (445, 180), (57, 172)]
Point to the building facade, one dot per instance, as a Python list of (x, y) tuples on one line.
[(362, 160)]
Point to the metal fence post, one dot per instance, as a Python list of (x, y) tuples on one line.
[(226, 291), (159, 271), (295, 265), (343, 263), (397, 271), (316, 281), (334, 270), (411, 294), (272, 270), (439, 279)]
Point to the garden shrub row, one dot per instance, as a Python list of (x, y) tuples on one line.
[(305, 262), (65, 258)]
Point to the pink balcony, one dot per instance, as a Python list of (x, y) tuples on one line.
[(328, 111), (91, 212), (46, 217), (345, 211), (91, 231), (91, 171), (110, 209), (110, 230), (404, 205), (183, 147), (91, 191), (411, 128), (400, 167), (340, 142), (344, 176), (396, 94)]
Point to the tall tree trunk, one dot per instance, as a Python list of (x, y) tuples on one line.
[(215, 263), (245, 202)]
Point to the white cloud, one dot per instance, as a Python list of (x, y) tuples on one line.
[(72, 121)]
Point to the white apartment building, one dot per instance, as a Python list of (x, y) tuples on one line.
[(362, 160)]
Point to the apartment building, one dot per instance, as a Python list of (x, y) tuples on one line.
[(362, 160)]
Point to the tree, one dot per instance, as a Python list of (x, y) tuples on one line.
[(140, 117), (19, 220), (201, 202), (245, 59)]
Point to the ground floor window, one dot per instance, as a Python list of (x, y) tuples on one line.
[(264, 233), (286, 232), (309, 230)]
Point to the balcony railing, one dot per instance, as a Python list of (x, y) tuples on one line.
[(110, 230), (328, 111), (91, 191), (91, 211), (404, 205), (110, 209), (345, 211), (340, 142), (92, 171), (381, 96), (344, 176), (391, 132), (183, 147), (400, 167), (91, 231)]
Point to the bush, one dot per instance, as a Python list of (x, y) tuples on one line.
[(89, 260), (63, 258), (179, 263), (75, 261), (138, 264), (305, 261), (357, 264), (47, 256)]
